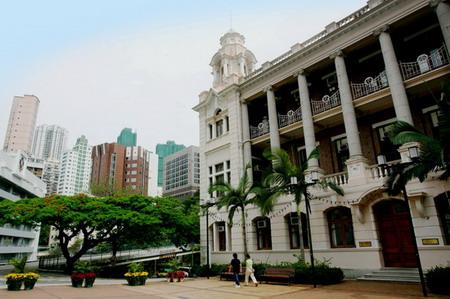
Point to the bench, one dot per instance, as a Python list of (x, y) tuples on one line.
[(278, 275), (229, 274)]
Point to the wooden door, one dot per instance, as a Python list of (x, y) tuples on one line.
[(394, 233)]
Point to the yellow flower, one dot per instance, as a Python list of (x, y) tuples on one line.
[(15, 276), (31, 275)]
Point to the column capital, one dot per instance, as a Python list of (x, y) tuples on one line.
[(384, 28), (337, 53), (268, 88), (299, 72)]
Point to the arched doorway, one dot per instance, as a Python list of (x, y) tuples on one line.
[(394, 233)]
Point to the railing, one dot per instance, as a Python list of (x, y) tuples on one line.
[(290, 118), (370, 85), (382, 171), (316, 38), (261, 129), (326, 103), (425, 63), (340, 178)]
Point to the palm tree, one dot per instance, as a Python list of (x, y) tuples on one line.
[(434, 153), (237, 199), (279, 180)]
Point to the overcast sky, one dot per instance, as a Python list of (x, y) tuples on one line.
[(98, 66)]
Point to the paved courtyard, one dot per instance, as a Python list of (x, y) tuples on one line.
[(213, 288)]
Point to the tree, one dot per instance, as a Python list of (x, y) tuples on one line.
[(434, 153), (279, 180), (97, 220)]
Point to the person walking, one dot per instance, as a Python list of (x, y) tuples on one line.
[(236, 266), (249, 271)]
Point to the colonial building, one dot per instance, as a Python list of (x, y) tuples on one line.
[(338, 91)]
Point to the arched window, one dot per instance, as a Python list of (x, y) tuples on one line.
[(442, 203), (221, 236), (294, 236), (340, 227), (263, 233)]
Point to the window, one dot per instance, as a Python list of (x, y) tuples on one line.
[(221, 236), (219, 128), (340, 227), (210, 131), (263, 233), (227, 123), (342, 152), (388, 149), (442, 203), (294, 236), (434, 120), (219, 167)]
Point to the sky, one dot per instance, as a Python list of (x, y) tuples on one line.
[(99, 66)]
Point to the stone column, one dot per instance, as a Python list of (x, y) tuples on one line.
[(246, 145), (307, 117), (394, 76), (273, 118), (443, 15), (348, 111)]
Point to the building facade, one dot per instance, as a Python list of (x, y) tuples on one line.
[(182, 173), (339, 91), (49, 142), (75, 169), (16, 182), (127, 137), (163, 150), (21, 124), (137, 166)]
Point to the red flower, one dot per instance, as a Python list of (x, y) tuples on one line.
[(90, 275), (77, 276)]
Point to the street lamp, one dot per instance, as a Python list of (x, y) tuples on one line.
[(413, 155), (207, 204), (314, 178)]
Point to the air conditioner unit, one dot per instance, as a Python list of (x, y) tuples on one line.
[(261, 224), (294, 220), (221, 228)]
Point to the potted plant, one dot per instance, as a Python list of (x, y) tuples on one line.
[(30, 279), (77, 279), (136, 274), (14, 281), (174, 265), (84, 271), (89, 279)]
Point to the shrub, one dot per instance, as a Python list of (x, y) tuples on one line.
[(438, 279), (135, 267), (202, 270), (323, 274), (260, 268)]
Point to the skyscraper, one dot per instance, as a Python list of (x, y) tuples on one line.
[(22, 121), (163, 150), (127, 137), (49, 142), (75, 169)]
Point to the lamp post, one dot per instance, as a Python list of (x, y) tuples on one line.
[(413, 155), (314, 177), (208, 203)]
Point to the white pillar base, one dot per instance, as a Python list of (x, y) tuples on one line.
[(357, 170)]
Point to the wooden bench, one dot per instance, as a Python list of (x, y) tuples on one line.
[(229, 274), (278, 275)]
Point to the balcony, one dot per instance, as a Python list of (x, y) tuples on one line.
[(291, 117), (261, 129), (425, 63), (328, 102), (370, 85)]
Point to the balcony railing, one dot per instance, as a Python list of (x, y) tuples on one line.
[(339, 178), (326, 103), (290, 118), (425, 63), (381, 171), (261, 129), (370, 85)]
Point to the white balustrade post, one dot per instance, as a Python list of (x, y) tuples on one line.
[(307, 118), (273, 118), (443, 14), (395, 79)]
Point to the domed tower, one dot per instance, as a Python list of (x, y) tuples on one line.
[(232, 62)]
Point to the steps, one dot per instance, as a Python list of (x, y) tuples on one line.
[(408, 275)]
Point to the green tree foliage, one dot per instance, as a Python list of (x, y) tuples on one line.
[(434, 153), (104, 219)]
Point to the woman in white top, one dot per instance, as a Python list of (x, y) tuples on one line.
[(249, 271)]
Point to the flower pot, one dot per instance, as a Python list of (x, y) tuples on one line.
[(14, 284), (132, 281), (89, 282), (141, 280), (29, 284), (77, 283)]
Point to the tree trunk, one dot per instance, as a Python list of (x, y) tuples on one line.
[(114, 248), (300, 233), (244, 233)]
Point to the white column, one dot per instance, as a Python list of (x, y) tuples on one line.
[(307, 118), (246, 145), (395, 79), (348, 111), (443, 15), (273, 118)]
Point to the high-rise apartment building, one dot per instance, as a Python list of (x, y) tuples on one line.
[(339, 91), (127, 137), (137, 163), (163, 150), (49, 142), (182, 173), (75, 169), (21, 124)]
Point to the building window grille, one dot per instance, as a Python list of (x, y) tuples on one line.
[(294, 236), (340, 227), (263, 233)]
